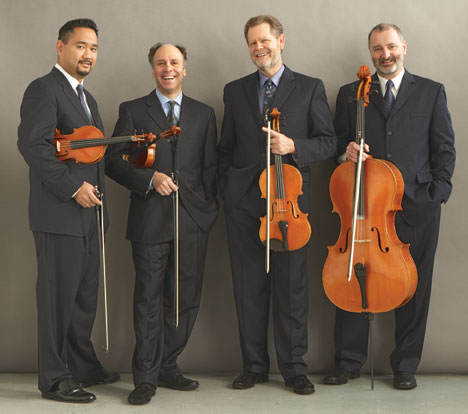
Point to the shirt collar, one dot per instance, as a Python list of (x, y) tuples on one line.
[(275, 78), (164, 99), (396, 82), (73, 82)]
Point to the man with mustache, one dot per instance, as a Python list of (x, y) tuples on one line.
[(191, 159), (408, 124), (62, 218), (306, 136)]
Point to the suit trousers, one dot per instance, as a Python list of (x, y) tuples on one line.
[(158, 341), (67, 292), (253, 287), (352, 329)]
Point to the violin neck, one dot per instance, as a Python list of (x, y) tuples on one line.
[(94, 142), (280, 193)]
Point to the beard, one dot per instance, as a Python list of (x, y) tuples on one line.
[(385, 70), (82, 72)]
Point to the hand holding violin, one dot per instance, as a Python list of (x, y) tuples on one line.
[(280, 143), (352, 151), (86, 196), (163, 184)]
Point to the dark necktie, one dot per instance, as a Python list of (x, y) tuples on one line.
[(171, 116), (268, 96), (80, 91), (389, 99)]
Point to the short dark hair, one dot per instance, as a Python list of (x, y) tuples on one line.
[(275, 26), (155, 47), (382, 27), (67, 29)]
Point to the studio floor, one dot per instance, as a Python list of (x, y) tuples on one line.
[(434, 394)]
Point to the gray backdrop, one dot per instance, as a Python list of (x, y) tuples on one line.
[(325, 39)]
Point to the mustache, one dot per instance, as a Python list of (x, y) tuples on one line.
[(386, 60)]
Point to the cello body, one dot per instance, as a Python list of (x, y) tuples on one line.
[(391, 277)]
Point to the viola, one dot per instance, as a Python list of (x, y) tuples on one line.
[(368, 270), (285, 227)]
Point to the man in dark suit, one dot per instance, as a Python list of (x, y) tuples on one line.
[(62, 216), (191, 159), (408, 124), (306, 136)]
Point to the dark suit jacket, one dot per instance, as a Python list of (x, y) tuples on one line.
[(241, 151), (49, 103), (417, 137), (150, 215)]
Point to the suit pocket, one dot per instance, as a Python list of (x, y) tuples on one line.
[(424, 175)]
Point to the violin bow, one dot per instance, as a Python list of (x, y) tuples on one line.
[(268, 198), (102, 246)]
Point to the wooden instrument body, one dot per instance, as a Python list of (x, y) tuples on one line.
[(68, 146), (391, 278), (284, 209)]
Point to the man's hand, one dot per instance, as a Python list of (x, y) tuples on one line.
[(352, 151), (163, 184), (86, 196), (280, 144)]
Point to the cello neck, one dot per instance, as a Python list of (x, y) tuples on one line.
[(360, 135)]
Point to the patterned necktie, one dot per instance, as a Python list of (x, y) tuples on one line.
[(268, 96), (389, 99), (171, 116), (80, 91)]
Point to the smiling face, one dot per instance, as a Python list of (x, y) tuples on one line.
[(169, 70), (79, 54), (265, 48), (387, 52)]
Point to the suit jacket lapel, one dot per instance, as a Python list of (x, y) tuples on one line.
[(376, 97), (284, 89), (94, 110), (406, 88), (70, 93), (156, 112), (186, 115), (251, 90)]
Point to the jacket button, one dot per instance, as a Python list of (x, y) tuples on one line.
[(389, 133), (389, 155)]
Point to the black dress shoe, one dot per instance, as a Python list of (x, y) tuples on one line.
[(300, 385), (248, 379), (340, 376), (142, 393), (404, 381), (104, 378), (68, 390), (179, 383)]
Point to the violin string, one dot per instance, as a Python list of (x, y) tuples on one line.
[(76, 144)]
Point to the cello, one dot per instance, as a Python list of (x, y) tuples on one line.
[(368, 270), (285, 226)]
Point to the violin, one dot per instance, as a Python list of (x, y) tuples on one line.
[(143, 152), (285, 226), (87, 145), (368, 270)]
